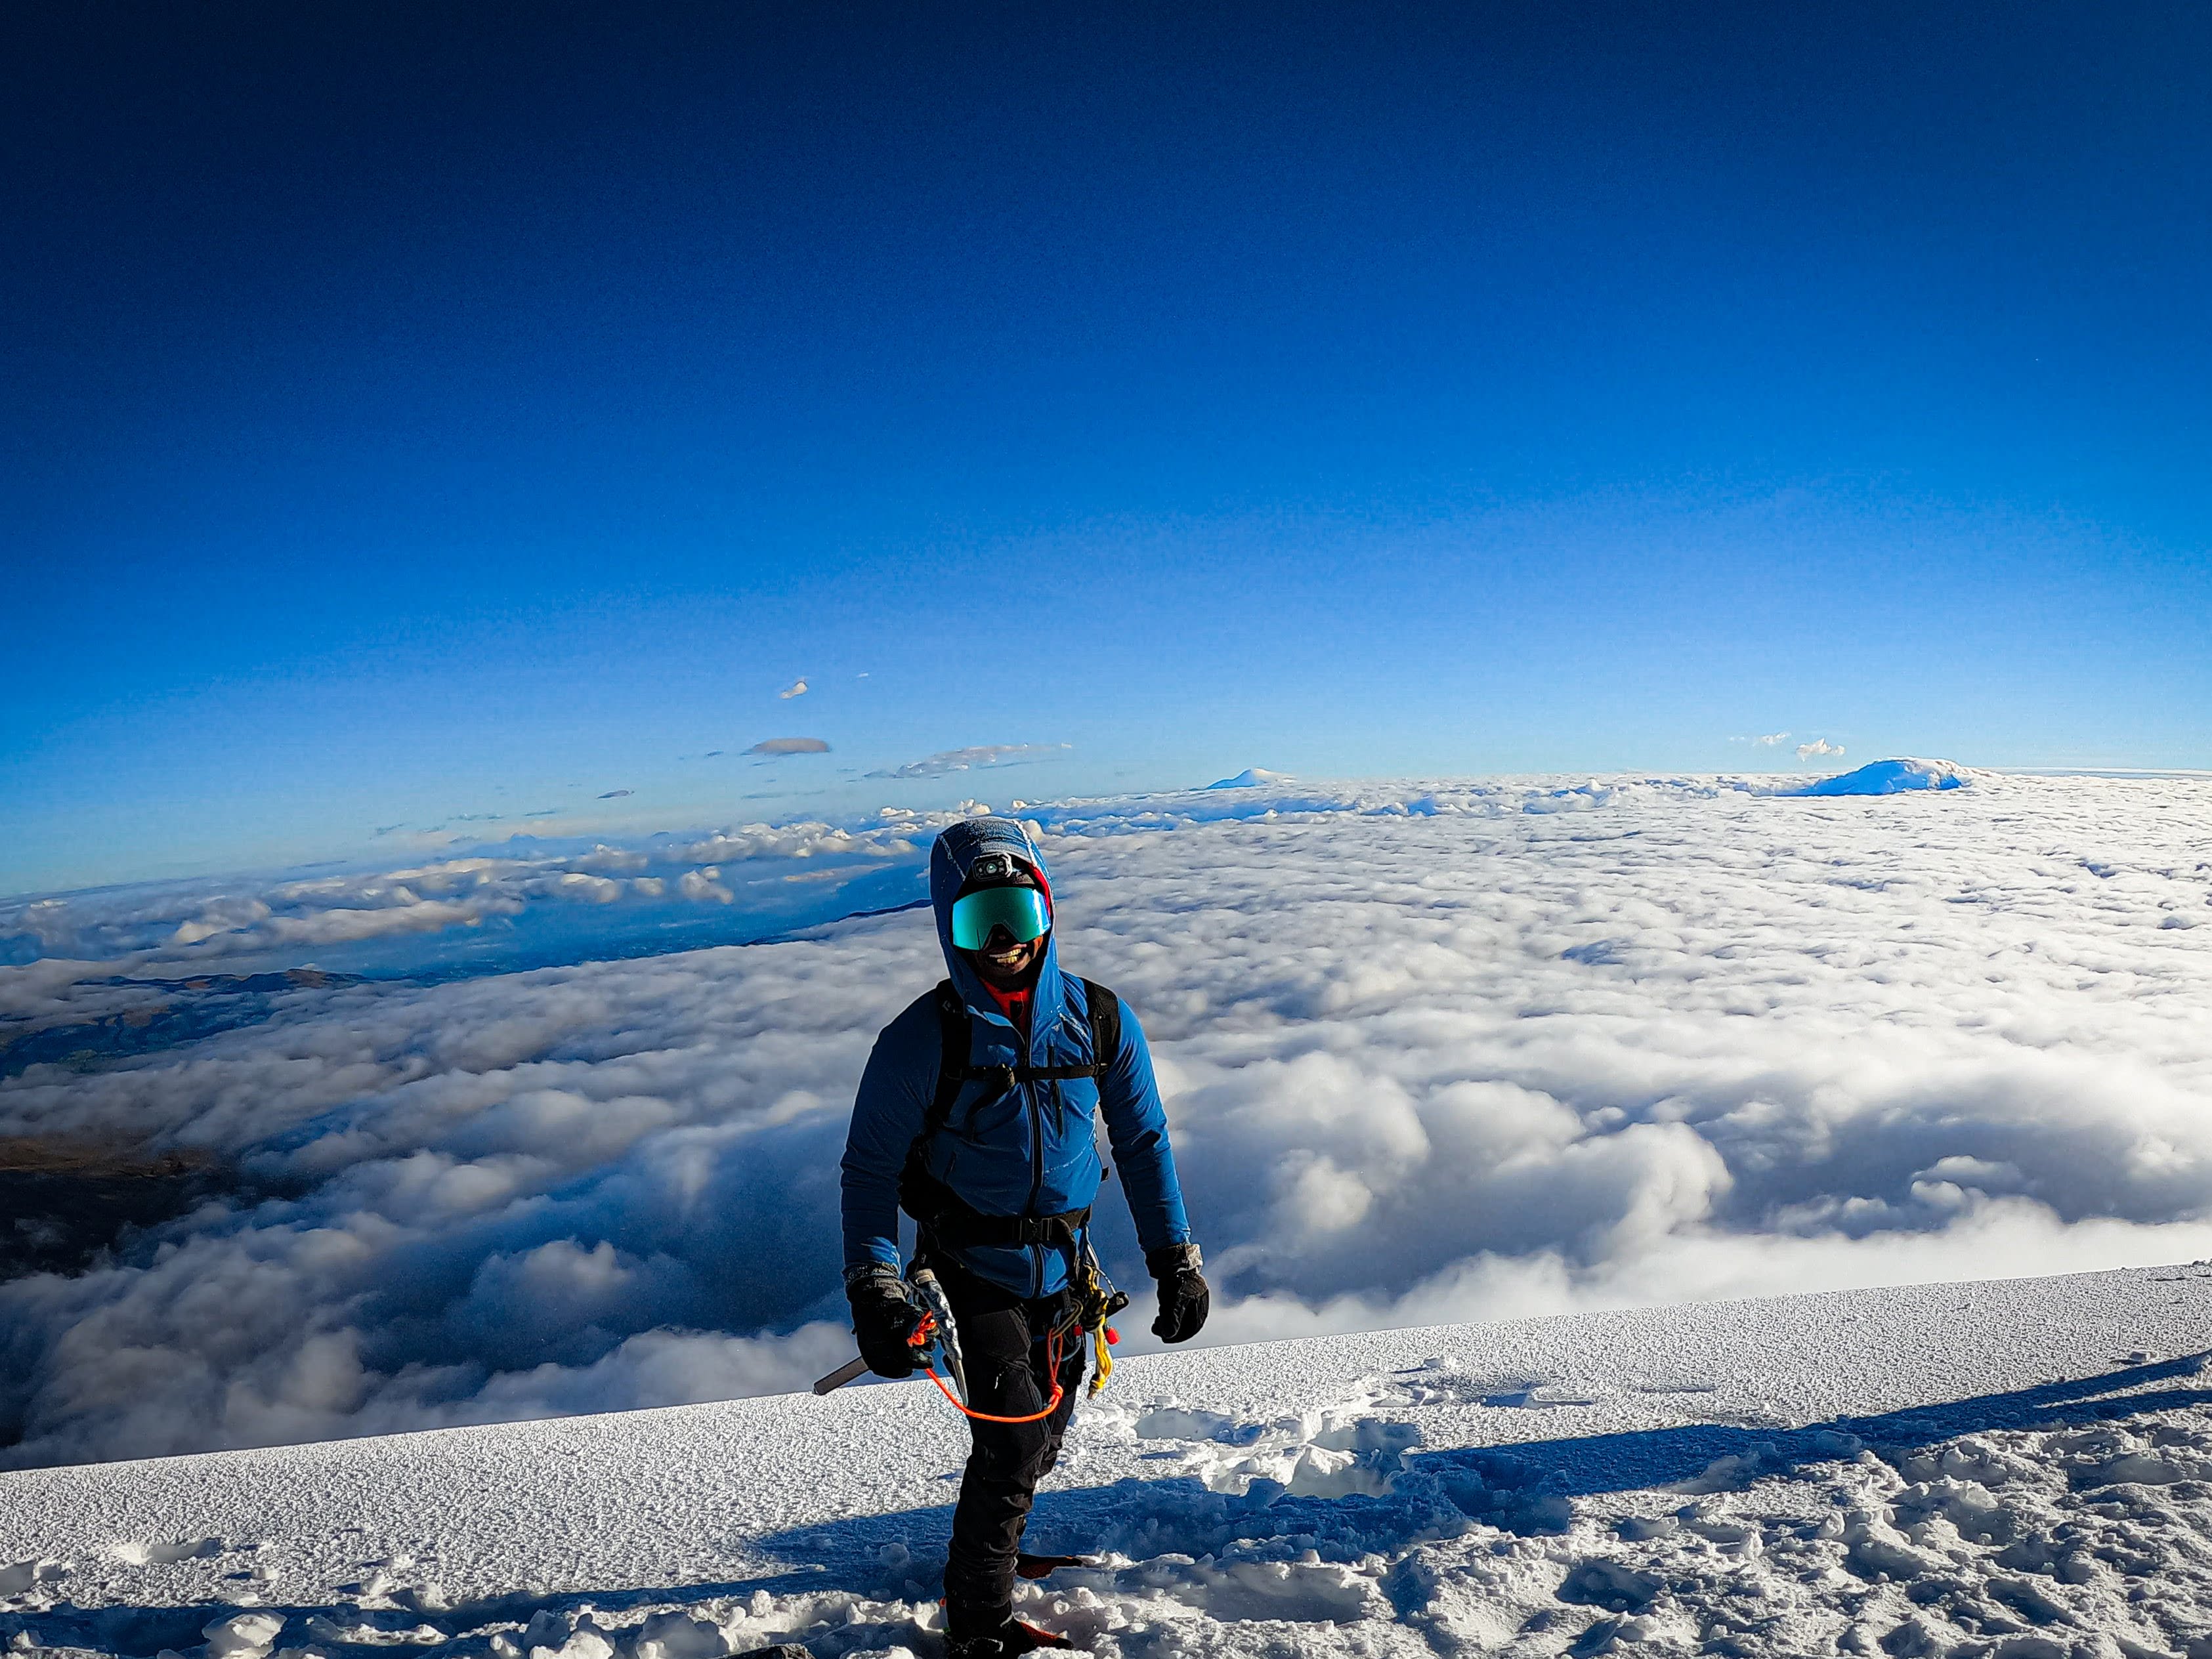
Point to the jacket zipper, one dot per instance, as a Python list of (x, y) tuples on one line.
[(1036, 1166), (1037, 1180)]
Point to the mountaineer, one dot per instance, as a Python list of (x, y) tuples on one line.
[(977, 1115)]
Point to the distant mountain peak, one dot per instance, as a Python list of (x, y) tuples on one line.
[(1252, 777), (1891, 777)]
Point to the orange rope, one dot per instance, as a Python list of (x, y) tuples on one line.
[(921, 1339)]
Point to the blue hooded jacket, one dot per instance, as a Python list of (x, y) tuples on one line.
[(1032, 1150)]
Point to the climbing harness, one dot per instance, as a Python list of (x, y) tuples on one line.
[(936, 1339)]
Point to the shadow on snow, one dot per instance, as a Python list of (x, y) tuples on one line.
[(1525, 1488)]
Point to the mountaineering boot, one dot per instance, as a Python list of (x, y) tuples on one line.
[(992, 1632), (1010, 1639)]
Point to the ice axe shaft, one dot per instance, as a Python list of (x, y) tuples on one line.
[(845, 1373)]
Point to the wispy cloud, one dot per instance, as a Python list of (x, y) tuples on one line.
[(789, 746), (796, 689), (1765, 739), (615, 794), (948, 761), (1819, 746)]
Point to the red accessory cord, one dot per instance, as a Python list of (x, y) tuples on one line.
[(921, 1339)]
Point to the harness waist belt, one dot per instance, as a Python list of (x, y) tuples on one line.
[(952, 1221), (966, 1229)]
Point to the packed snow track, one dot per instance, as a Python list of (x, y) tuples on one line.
[(2019, 1468)]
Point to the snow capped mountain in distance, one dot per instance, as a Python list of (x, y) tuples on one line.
[(1252, 777), (1890, 777)]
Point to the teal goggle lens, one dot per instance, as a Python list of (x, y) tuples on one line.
[(1019, 910)]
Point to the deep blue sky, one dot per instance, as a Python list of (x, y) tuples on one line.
[(419, 411)]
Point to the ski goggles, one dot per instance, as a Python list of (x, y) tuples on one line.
[(1019, 910)]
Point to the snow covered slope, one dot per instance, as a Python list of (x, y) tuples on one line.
[(2017, 1468)]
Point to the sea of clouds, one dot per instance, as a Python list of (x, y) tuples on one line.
[(1430, 1052)]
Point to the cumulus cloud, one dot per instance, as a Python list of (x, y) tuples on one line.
[(789, 746), (1436, 1052), (982, 755), (796, 689), (1819, 746), (705, 883), (808, 840)]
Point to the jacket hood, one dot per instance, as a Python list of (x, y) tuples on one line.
[(951, 859)]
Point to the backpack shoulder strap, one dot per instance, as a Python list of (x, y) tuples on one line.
[(1105, 1026), (920, 1195), (952, 1059)]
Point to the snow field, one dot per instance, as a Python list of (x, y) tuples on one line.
[(2020, 1468)]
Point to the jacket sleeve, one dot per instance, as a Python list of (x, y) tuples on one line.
[(887, 1115), (1137, 1129)]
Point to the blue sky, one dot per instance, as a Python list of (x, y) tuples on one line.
[(419, 418)]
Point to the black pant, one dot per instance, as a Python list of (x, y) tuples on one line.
[(1007, 1347)]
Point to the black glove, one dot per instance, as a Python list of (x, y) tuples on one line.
[(1183, 1295), (886, 1314)]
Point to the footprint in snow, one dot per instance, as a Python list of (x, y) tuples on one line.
[(1338, 1452), (141, 1552), (1540, 1396), (20, 1576)]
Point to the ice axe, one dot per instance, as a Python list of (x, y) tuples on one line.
[(936, 1341)]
